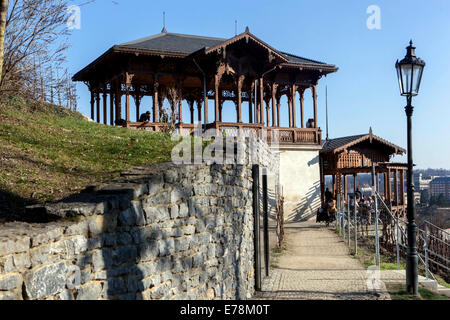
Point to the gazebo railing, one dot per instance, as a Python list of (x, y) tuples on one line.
[(272, 134)]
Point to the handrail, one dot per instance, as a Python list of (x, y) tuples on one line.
[(435, 226), (440, 240), (397, 219)]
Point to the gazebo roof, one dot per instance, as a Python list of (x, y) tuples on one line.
[(173, 42), (183, 44), (339, 144)]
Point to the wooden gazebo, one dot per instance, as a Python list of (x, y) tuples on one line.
[(351, 155), (181, 67)]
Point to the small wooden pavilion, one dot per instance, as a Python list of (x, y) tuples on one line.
[(351, 155), (197, 69)]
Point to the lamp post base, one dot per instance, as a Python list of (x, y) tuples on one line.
[(412, 285)]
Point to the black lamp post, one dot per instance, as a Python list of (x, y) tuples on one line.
[(409, 73)]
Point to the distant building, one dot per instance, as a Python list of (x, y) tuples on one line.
[(421, 183), (440, 185), (416, 197)]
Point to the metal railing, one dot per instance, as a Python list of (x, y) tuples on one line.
[(344, 225), (427, 238)]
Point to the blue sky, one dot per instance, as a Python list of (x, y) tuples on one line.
[(363, 93)]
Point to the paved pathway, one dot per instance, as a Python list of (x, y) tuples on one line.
[(317, 265)]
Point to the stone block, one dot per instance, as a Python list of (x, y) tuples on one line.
[(155, 184), (40, 255), (90, 291), (22, 260), (102, 224), (94, 243), (176, 195), (211, 251), (79, 228), (156, 214), (160, 198), (147, 269), (11, 295), (198, 260), (39, 239), (124, 254), (10, 282), (190, 229), (171, 176), (174, 212), (66, 295), (163, 264), (148, 250), (158, 292), (7, 264), (102, 259), (80, 244), (148, 233), (182, 244), (109, 239), (184, 210), (126, 218), (166, 247), (9, 246), (115, 286), (124, 238), (46, 281)]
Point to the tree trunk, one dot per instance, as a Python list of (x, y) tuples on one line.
[(3, 11)]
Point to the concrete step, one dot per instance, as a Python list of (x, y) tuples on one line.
[(429, 283)]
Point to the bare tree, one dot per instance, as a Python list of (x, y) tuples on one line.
[(35, 31), (3, 12)]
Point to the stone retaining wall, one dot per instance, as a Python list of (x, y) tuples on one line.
[(162, 231), (157, 232)]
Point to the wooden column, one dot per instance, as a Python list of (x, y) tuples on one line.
[(261, 101), (294, 90), (345, 186), (155, 101), (250, 105), (267, 112), (220, 109), (355, 183), (256, 104), (290, 111), (402, 187), (396, 187), (207, 110), (105, 106), (119, 101), (387, 186), (338, 184), (322, 182), (127, 103), (180, 109), (137, 100), (92, 104), (274, 92), (97, 98), (191, 109), (199, 109), (111, 105), (216, 98), (239, 98), (302, 91), (278, 111), (314, 89), (334, 185)]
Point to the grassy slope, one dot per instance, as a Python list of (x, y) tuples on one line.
[(48, 152)]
